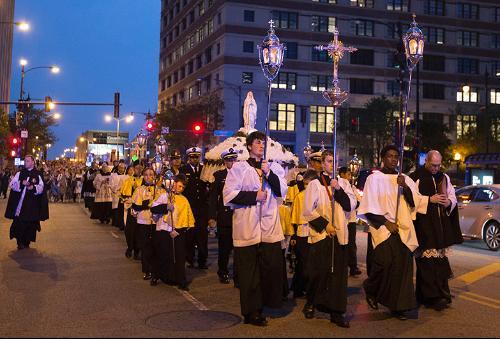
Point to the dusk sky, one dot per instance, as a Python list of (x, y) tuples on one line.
[(101, 46)]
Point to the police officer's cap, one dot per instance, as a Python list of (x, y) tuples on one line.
[(193, 151), (229, 154), (175, 154)]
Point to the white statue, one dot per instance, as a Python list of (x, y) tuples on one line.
[(249, 113)]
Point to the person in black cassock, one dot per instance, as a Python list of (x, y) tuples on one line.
[(88, 189), (27, 204), (390, 279), (221, 216), (197, 194), (437, 230)]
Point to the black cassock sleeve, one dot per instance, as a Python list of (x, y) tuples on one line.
[(376, 220), (160, 209), (248, 198), (142, 207), (274, 182), (343, 199), (408, 196), (318, 224)]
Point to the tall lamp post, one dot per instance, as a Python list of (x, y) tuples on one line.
[(22, 25), (128, 119), (23, 62)]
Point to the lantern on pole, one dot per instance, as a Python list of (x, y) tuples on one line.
[(271, 53), (354, 166), (141, 138), (161, 146)]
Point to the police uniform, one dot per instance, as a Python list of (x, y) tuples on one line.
[(224, 218), (175, 154), (197, 194)]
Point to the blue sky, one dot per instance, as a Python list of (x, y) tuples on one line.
[(101, 46)]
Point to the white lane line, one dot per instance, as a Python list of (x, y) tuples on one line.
[(115, 235), (193, 300)]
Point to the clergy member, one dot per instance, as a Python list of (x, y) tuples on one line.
[(437, 229), (390, 280), (327, 289), (253, 189)]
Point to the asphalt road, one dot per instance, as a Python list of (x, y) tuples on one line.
[(76, 282)]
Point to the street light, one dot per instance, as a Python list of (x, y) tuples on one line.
[(22, 25), (457, 157), (127, 119)]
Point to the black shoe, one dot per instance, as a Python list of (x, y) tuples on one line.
[(224, 278), (128, 253), (372, 302), (256, 320), (399, 315), (354, 272), (184, 287), (147, 276), (439, 305), (339, 320), (202, 267), (153, 282), (308, 311)]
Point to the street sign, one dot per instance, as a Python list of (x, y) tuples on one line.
[(221, 133), (24, 134), (165, 130)]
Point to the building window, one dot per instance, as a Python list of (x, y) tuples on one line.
[(192, 91), (190, 66), (320, 55), (434, 35), (434, 91), (201, 8), (362, 57), (467, 66), (163, 85), (191, 17), (436, 118), (322, 23), (393, 87), (363, 27), (397, 5), (208, 54), (495, 129), (467, 11), (434, 63), (467, 96), (465, 124), (495, 41), (467, 38), (495, 96), (184, 23), (434, 7), (249, 16), (362, 3), (320, 83), (361, 86), (282, 117), (218, 48), (321, 119), (287, 20), (285, 80), (248, 46), (199, 63), (291, 51), (247, 77)]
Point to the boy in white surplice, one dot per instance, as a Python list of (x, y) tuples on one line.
[(253, 189)]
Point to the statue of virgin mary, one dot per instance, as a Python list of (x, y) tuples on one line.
[(249, 113)]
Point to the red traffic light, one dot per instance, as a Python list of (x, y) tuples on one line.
[(13, 153), (149, 125), (15, 141), (197, 128)]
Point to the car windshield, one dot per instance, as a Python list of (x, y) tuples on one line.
[(485, 195), (464, 195)]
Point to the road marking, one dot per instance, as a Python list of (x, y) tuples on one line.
[(479, 302), (115, 235), (479, 274), (193, 300), (478, 296)]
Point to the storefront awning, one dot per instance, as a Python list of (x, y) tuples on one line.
[(483, 159)]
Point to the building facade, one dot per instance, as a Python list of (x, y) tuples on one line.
[(211, 45), (100, 146), (6, 38)]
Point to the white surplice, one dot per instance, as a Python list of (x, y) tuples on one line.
[(317, 204), (255, 223), (380, 197)]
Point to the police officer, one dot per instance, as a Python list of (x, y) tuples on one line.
[(175, 161), (221, 216), (197, 194)]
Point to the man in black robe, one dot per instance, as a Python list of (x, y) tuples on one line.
[(25, 205), (390, 280), (88, 189), (437, 230)]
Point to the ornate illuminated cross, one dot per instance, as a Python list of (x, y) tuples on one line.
[(336, 51)]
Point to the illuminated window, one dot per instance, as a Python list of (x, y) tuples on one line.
[(282, 117), (321, 119), (467, 96)]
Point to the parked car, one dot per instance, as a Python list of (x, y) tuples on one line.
[(479, 209)]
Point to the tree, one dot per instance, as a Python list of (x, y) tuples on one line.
[(434, 136), (181, 118), (5, 134)]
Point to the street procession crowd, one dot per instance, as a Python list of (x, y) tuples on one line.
[(167, 217)]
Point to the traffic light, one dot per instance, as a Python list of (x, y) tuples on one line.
[(15, 141), (354, 125), (116, 112), (149, 126), (198, 128), (49, 104), (13, 153)]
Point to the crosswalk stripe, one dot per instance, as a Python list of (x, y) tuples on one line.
[(478, 296), (479, 274), (479, 302)]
